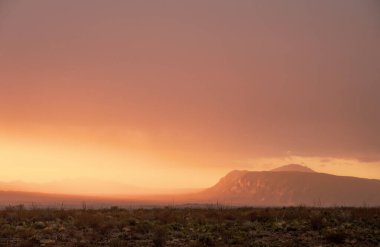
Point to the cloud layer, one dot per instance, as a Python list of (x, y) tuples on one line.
[(220, 79)]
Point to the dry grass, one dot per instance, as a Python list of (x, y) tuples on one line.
[(295, 226)]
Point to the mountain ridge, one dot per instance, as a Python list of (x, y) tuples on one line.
[(280, 187), (292, 168), (288, 185)]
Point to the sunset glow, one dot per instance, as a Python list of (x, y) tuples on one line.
[(170, 96)]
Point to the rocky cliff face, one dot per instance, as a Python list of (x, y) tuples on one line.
[(287, 188)]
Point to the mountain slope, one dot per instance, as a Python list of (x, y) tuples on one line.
[(292, 168), (90, 187), (286, 188)]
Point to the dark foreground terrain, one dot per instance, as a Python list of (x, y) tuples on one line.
[(216, 226)]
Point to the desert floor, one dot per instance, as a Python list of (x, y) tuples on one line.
[(171, 226)]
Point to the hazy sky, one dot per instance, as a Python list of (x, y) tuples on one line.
[(176, 93)]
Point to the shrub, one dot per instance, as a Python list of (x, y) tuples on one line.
[(317, 222), (206, 240), (143, 227), (117, 243), (159, 236), (336, 237), (260, 216), (29, 243)]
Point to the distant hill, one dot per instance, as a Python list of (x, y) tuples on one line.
[(292, 185), (292, 168), (73, 187), (88, 187), (42, 200)]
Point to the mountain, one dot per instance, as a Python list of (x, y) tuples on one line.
[(90, 187), (292, 168), (82, 186), (292, 185), (43, 200)]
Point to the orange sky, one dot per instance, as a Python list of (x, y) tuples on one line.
[(175, 94)]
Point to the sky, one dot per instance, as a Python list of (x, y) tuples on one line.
[(174, 94)]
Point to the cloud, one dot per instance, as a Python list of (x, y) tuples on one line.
[(247, 79)]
